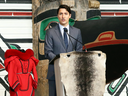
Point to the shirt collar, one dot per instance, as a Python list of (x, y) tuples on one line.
[(61, 27)]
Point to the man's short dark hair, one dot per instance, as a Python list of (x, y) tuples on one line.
[(65, 7)]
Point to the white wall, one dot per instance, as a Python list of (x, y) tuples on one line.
[(15, 28)]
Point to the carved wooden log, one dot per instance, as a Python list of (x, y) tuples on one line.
[(83, 73), (94, 4)]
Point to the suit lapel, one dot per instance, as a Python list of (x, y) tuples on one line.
[(71, 34), (57, 30)]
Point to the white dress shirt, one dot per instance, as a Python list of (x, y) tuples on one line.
[(62, 30)]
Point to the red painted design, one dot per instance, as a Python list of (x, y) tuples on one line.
[(22, 13), (1, 67), (114, 13), (15, 13), (30, 13), (105, 36), (111, 42)]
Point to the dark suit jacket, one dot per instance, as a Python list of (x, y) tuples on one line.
[(54, 45)]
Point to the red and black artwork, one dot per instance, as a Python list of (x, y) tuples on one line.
[(109, 35)]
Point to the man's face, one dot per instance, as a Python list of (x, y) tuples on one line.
[(63, 16)]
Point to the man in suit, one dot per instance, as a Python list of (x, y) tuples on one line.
[(57, 41)]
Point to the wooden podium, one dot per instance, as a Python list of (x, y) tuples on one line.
[(80, 73)]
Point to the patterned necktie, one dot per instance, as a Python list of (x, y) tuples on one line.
[(65, 37)]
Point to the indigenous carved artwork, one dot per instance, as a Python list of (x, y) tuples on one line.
[(110, 46)]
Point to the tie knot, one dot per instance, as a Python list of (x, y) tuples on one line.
[(65, 30)]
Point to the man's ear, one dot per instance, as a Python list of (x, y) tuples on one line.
[(70, 15)]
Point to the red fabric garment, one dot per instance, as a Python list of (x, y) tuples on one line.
[(19, 66)]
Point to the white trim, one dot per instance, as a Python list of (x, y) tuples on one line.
[(113, 6), (15, 6)]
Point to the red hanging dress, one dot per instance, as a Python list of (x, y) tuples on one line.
[(19, 66)]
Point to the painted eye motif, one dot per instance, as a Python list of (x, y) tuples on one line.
[(106, 36), (50, 25)]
